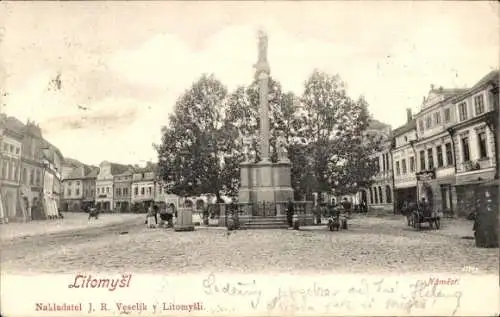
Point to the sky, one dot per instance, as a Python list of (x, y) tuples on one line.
[(124, 64)]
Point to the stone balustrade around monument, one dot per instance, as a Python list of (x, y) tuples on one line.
[(246, 212)]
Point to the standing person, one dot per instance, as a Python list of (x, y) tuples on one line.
[(155, 212), (346, 204), (150, 218), (289, 213)]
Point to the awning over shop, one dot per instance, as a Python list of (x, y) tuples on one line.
[(475, 179)]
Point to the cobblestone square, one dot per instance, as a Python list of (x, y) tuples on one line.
[(370, 245)]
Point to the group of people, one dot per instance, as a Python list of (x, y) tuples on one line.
[(166, 216)]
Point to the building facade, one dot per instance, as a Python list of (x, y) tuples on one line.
[(435, 149), (123, 188), (52, 160), (379, 195), (36, 163), (105, 185), (10, 174), (476, 112), (404, 163), (143, 188), (89, 188), (73, 189), (451, 149)]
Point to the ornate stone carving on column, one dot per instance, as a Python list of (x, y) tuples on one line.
[(262, 75)]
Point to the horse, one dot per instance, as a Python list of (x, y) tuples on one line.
[(408, 211)]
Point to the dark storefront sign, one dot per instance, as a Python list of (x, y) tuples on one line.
[(426, 176)]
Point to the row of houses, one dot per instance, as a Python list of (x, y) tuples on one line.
[(443, 153), (30, 172), (112, 187)]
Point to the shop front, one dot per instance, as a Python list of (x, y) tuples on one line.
[(469, 188)]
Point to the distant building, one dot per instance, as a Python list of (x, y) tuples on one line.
[(89, 188), (105, 184), (73, 189), (143, 188), (123, 188)]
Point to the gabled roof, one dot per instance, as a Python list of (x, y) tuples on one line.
[(412, 125)]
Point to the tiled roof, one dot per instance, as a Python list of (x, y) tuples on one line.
[(118, 168), (405, 128), (93, 172), (77, 173), (491, 76)]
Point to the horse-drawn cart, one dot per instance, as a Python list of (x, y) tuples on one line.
[(420, 215)]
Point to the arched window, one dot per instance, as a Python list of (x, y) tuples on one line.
[(380, 195), (371, 196), (388, 194), (375, 194)]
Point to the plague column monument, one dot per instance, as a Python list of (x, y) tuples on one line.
[(265, 181)]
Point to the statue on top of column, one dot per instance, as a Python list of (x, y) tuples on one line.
[(262, 65), (262, 46)]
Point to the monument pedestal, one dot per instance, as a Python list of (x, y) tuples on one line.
[(265, 182)]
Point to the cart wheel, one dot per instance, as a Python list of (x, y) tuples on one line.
[(438, 223)]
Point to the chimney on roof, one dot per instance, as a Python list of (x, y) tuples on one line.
[(432, 86), (409, 116)]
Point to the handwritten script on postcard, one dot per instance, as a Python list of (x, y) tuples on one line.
[(319, 297), (212, 294)]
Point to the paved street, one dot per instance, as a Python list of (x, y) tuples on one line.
[(370, 245)]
